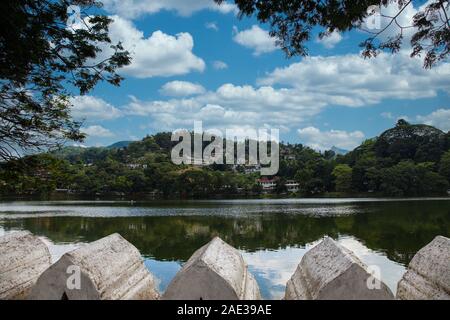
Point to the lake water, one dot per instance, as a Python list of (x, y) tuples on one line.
[(272, 235)]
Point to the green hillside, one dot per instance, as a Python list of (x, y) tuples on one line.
[(407, 160)]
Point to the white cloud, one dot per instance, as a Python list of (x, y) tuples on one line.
[(387, 115), (97, 131), (404, 19), (79, 145), (159, 54), (439, 119), (181, 89), (324, 140), (353, 81), (92, 108), (212, 26), (290, 97), (229, 106), (331, 40), (255, 38), (219, 65), (136, 8), (302, 91)]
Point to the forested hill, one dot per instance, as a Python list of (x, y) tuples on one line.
[(407, 160)]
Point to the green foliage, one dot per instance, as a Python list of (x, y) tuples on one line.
[(418, 142), (39, 174), (42, 60), (444, 169), (343, 175), (409, 179), (293, 23), (390, 165), (407, 160)]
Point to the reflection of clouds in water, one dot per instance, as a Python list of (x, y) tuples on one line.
[(57, 250), (163, 272), (272, 269), (391, 272)]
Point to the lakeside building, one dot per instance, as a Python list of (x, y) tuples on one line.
[(268, 184), (292, 186), (134, 166)]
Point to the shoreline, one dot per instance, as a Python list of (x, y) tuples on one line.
[(144, 199)]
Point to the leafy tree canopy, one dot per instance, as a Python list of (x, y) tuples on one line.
[(41, 56), (293, 21), (407, 160), (343, 175)]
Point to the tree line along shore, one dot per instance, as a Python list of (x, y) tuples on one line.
[(405, 161)]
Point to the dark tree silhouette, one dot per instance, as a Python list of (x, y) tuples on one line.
[(292, 23), (43, 61)]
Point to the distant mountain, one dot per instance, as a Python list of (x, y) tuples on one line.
[(119, 144), (339, 151)]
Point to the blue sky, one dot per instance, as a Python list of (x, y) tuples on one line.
[(195, 61)]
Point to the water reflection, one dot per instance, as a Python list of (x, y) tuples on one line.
[(273, 236), (272, 269)]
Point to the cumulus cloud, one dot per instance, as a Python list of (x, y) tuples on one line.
[(212, 26), (324, 140), (439, 119), (255, 38), (159, 54), (353, 81), (136, 8), (97, 131), (219, 65), (404, 19), (228, 106), (290, 97), (331, 40), (92, 108), (181, 89)]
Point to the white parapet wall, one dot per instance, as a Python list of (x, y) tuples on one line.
[(23, 258), (216, 271), (428, 273), (331, 272), (107, 269)]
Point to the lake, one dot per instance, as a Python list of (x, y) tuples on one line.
[(272, 235)]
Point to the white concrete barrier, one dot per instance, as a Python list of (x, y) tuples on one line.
[(216, 271), (23, 258), (108, 269), (331, 272), (428, 274)]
